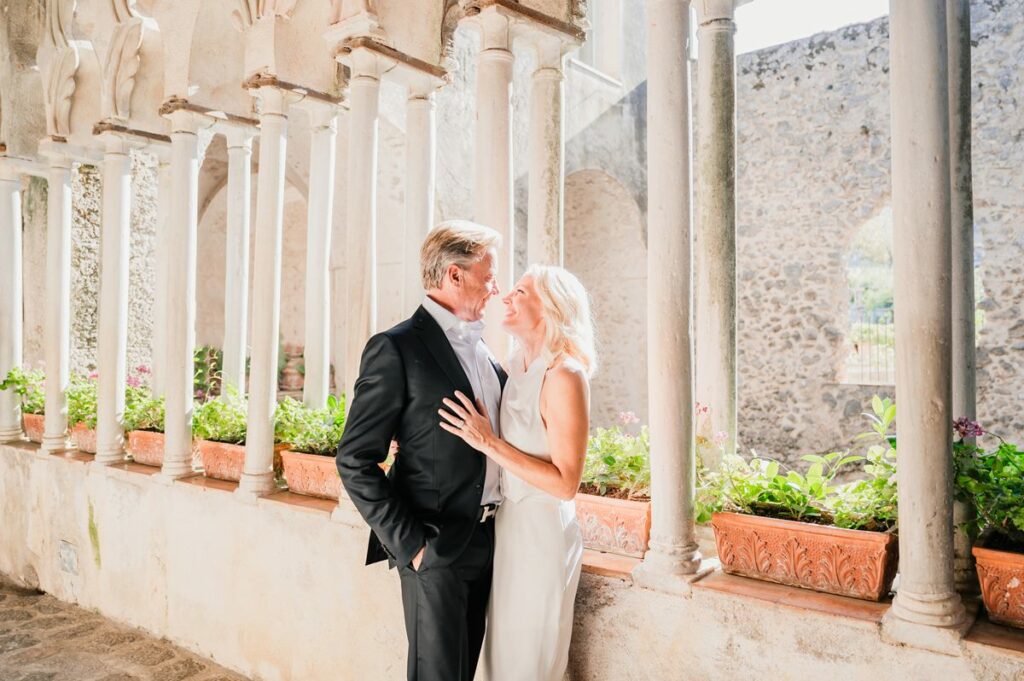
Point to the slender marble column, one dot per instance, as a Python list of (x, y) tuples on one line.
[(236, 268), (927, 611), (159, 362), (715, 315), (673, 557), (958, 33), (179, 352), (10, 299), (492, 188), (57, 331), (420, 148), (319, 229), (112, 335), (544, 234), (258, 472), (361, 216)]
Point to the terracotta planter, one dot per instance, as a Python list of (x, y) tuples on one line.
[(311, 474), (851, 563), (1001, 574), (84, 438), (33, 425), (221, 460), (618, 526), (146, 447)]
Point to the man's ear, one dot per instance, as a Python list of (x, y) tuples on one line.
[(455, 274)]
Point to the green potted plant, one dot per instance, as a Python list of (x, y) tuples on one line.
[(144, 422), (312, 437), (219, 426), (30, 385), (81, 397), (613, 505), (991, 482), (804, 529)]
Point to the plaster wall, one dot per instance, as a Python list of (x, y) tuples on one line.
[(280, 593)]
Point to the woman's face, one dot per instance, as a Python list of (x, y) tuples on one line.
[(524, 312)]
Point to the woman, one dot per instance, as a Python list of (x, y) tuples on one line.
[(544, 425)]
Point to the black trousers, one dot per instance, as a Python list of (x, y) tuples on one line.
[(446, 610)]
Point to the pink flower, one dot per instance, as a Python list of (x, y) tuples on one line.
[(134, 382), (627, 417), (702, 409), (965, 428), (94, 375), (142, 369), (721, 437)]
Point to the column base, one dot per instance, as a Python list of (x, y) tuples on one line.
[(58, 443), (175, 470), (672, 571), (109, 456), (10, 435), (252, 486), (936, 623)]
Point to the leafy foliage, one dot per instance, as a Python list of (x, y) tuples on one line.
[(143, 410), (207, 367), (30, 385), (766, 487), (81, 394), (222, 419), (992, 483), (617, 460), (312, 431)]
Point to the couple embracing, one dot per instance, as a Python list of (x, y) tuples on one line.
[(476, 512)]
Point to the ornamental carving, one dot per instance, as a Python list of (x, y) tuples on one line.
[(614, 525), (121, 66), (248, 12), (59, 59), (1001, 575), (843, 562)]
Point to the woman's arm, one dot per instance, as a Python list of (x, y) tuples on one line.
[(564, 405)]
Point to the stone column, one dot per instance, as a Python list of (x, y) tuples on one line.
[(10, 298), (258, 472), (420, 154), (958, 34), (57, 330), (544, 235), (159, 364), (179, 351), (715, 315), (236, 267), (673, 559), (927, 611), (361, 214), (112, 334), (492, 187), (320, 226)]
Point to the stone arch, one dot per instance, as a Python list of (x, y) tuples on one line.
[(605, 248)]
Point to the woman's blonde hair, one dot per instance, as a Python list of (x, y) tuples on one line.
[(455, 242), (566, 303)]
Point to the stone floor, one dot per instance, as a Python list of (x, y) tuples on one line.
[(43, 639)]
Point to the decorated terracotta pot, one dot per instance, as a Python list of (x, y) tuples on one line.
[(221, 460), (33, 425), (84, 438), (620, 526), (146, 447), (1001, 574)]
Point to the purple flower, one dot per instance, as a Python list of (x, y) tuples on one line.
[(721, 437), (133, 381), (965, 428)]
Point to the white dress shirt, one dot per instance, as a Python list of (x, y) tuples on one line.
[(475, 358)]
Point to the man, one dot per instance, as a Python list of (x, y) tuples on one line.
[(432, 516)]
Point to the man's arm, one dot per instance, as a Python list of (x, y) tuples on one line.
[(373, 418)]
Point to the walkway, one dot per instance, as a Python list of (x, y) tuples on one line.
[(43, 639)]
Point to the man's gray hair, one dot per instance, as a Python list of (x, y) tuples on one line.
[(454, 242)]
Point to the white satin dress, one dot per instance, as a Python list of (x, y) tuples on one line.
[(538, 552)]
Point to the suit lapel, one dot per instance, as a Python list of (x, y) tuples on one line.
[(502, 376), (433, 337)]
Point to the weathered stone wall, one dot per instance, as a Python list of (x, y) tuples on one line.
[(813, 166)]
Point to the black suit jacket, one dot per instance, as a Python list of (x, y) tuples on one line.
[(433, 490)]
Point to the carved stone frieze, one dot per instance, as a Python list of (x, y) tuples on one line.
[(59, 59)]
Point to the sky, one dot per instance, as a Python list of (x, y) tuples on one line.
[(763, 23)]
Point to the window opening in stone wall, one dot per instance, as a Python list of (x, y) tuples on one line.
[(871, 340), (602, 50)]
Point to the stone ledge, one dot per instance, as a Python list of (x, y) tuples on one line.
[(793, 597), (300, 502), (990, 635), (206, 483), (609, 565)]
